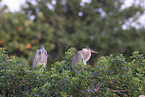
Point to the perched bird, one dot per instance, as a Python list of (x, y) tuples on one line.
[(82, 55), (141, 96), (40, 57)]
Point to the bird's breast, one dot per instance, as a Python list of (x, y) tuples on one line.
[(86, 56)]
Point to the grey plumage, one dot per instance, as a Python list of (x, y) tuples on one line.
[(77, 58), (82, 55), (40, 57)]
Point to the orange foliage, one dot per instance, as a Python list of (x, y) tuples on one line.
[(16, 47), (20, 28), (1, 42), (28, 45)]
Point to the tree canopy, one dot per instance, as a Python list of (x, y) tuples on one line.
[(111, 76), (60, 24)]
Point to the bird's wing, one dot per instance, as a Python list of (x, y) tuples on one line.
[(44, 58), (35, 58), (77, 58)]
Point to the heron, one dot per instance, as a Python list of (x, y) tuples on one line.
[(40, 57), (82, 55)]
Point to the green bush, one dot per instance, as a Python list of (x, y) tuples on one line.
[(111, 76)]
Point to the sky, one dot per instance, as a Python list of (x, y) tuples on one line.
[(14, 5)]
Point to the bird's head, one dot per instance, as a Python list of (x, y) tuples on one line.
[(42, 48), (88, 50)]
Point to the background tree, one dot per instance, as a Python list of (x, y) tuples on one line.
[(60, 24)]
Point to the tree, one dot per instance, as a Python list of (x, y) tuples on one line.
[(60, 24), (112, 76)]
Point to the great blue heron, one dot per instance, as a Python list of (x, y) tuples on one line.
[(141, 96), (40, 57), (82, 55)]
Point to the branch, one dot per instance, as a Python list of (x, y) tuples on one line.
[(119, 91), (19, 89), (99, 86), (111, 73), (25, 87)]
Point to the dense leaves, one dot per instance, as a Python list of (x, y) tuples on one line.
[(111, 76), (60, 24)]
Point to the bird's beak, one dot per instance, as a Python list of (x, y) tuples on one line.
[(93, 51)]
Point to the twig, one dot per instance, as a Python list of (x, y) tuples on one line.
[(111, 73), (25, 88), (99, 86), (119, 91), (19, 89)]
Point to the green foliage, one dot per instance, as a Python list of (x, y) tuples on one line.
[(97, 24), (111, 76)]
